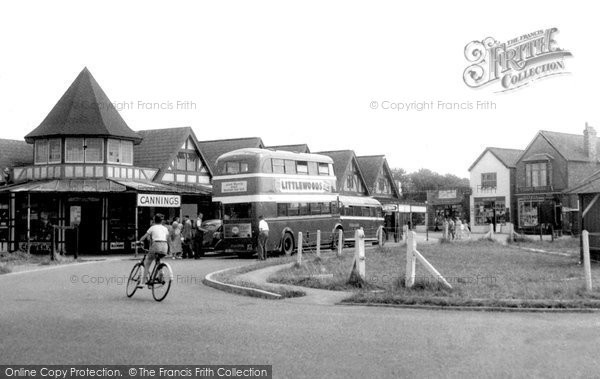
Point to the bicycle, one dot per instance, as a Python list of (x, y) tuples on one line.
[(159, 280)]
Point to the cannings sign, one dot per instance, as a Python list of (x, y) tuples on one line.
[(515, 63)]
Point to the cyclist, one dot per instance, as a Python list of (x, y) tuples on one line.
[(159, 234)]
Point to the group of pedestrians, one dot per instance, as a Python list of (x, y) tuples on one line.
[(456, 229), (186, 238)]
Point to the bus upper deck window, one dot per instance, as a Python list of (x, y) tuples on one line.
[(302, 167), (278, 166), (323, 169), (290, 167), (232, 167), (243, 167)]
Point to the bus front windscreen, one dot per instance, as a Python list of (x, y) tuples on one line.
[(237, 211)]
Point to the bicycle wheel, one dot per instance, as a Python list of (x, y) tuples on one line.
[(134, 279), (161, 282)]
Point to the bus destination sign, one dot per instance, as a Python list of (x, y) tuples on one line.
[(230, 187)]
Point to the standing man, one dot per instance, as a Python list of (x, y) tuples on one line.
[(263, 237), (199, 237), (188, 234)]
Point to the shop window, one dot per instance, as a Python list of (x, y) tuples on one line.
[(323, 169), (528, 212), (41, 151), (74, 150), (94, 150), (536, 174)]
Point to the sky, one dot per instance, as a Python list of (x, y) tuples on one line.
[(315, 72)]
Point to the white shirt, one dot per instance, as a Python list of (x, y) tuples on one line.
[(263, 226), (158, 233)]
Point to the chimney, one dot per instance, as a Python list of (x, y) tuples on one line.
[(589, 143)]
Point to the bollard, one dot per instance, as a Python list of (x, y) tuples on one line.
[(405, 232), (299, 255), (318, 243), (411, 245), (380, 236), (340, 242), (359, 252), (586, 259)]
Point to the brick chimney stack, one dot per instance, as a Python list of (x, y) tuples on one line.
[(589, 143)]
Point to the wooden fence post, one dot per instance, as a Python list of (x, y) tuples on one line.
[(359, 252), (411, 245), (299, 255), (405, 232), (340, 242), (380, 236), (318, 243), (586, 260)]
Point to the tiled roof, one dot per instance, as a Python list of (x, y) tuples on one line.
[(341, 164), (569, 146), (588, 185), (84, 110), (214, 149), (508, 157), (160, 146), (299, 148), (370, 167), (15, 153)]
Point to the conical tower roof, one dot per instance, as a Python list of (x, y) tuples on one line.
[(84, 110)]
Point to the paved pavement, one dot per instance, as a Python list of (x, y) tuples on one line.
[(72, 316)]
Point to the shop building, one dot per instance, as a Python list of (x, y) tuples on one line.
[(552, 163), (447, 203), (493, 185), (87, 186), (588, 194)]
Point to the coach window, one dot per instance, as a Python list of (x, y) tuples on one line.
[(278, 166), (323, 169), (302, 167)]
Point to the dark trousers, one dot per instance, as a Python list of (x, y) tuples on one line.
[(187, 248), (263, 237), (198, 239)]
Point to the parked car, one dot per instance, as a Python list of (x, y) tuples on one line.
[(212, 238)]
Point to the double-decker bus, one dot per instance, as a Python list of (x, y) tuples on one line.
[(294, 192)]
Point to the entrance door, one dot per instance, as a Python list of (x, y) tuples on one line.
[(90, 228)]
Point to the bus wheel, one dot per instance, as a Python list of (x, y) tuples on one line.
[(287, 244)]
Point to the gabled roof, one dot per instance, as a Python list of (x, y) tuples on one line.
[(159, 147), (508, 157), (299, 148), (84, 110), (211, 150), (15, 153), (370, 166), (570, 146), (342, 160)]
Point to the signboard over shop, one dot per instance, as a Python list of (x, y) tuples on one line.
[(161, 201)]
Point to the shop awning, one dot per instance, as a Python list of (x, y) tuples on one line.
[(104, 185), (164, 188)]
